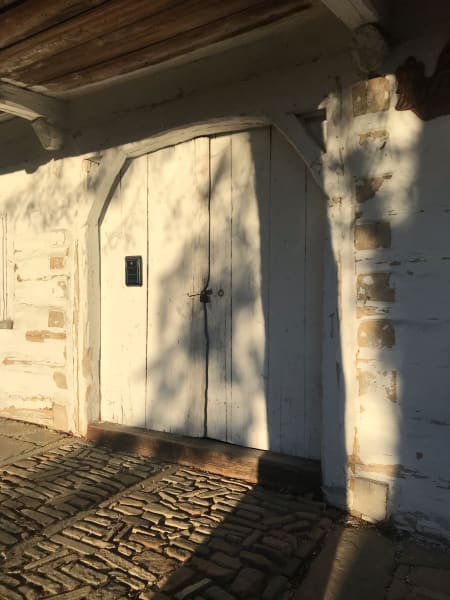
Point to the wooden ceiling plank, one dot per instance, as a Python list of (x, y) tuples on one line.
[(107, 17), (30, 17), (155, 29), (262, 14), (5, 3)]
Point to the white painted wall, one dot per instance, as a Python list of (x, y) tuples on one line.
[(386, 418), (388, 185)]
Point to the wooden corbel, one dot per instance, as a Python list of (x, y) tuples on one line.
[(45, 114)]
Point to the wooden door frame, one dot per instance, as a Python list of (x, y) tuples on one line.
[(100, 187)]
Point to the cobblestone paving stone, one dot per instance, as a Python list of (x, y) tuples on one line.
[(179, 534), (47, 488), (421, 574)]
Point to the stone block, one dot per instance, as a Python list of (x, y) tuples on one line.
[(375, 287), (365, 189), (383, 384), (369, 499), (376, 333), (371, 96), (56, 318), (371, 236)]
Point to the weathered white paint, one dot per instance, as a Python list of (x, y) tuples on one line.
[(259, 393), (123, 232), (384, 409), (178, 257)]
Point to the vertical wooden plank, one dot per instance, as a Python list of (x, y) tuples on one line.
[(250, 231), (286, 396), (123, 233), (134, 312), (178, 264), (219, 310), (314, 275), (111, 252)]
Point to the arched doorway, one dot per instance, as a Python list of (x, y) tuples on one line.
[(239, 218)]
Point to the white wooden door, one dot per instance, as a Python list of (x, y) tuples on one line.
[(265, 310), (123, 232), (237, 214), (178, 186)]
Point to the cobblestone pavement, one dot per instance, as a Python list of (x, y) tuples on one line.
[(71, 530), (22, 439), (82, 522)]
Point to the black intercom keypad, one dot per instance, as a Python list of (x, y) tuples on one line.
[(133, 270)]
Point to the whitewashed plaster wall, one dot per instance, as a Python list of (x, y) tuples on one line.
[(387, 330), (41, 212), (386, 353)]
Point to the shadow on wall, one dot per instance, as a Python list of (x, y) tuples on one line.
[(259, 249), (263, 244), (401, 245), (397, 468), (402, 417)]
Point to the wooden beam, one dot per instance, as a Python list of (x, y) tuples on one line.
[(90, 25), (145, 32), (262, 13), (255, 466), (29, 105), (29, 18), (296, 134), (45, 113), (354, 13)]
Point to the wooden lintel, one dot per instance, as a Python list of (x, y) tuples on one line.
[(46, 114), (254, 466), (354, 13)]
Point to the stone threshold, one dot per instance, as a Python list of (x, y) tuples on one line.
[(254, 466)]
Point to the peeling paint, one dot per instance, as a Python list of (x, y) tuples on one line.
[(371, 96), (367, 188), (370, 236), (56, 319), (371, 311), (87, 362), (60, 419), (375, 287), (353, 458), (385, 381), (41, 336), (57, 262), (377, 138), (60, 380), (16, 361), (376, 333)]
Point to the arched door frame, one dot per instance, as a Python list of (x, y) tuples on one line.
[(87, 293)]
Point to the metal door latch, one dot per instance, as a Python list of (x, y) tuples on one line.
[(205, 296)]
